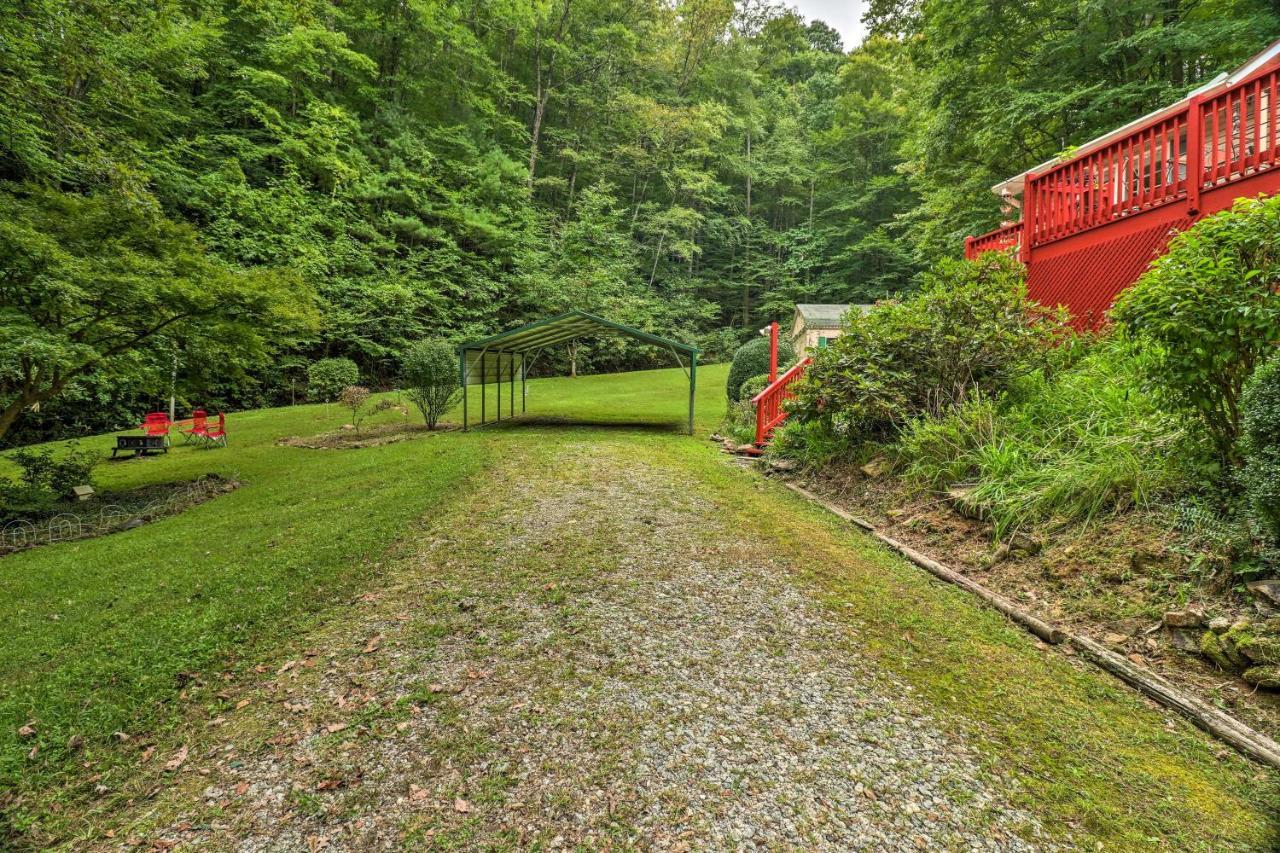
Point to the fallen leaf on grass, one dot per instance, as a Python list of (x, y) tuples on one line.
[(178, 758), (29, 730), (373, 645), (288, 665), (329, 785), (335, 727), (242, 703), (417, 794), (122, 737), (461, 806), (241, 789), (148, 752)]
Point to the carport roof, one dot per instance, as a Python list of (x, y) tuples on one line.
[(564, 328)]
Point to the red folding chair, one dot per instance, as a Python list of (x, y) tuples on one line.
[(157, 423), (196, 429), (218, 434)]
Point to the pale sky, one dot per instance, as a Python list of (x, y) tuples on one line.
[(845, 16)]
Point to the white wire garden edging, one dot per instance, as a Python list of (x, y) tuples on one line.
[(21, 534)]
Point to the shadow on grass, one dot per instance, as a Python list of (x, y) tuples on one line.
[(540, 421)]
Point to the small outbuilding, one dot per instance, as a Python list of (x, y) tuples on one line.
[(814, 326)]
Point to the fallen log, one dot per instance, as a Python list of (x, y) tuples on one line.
[(1217, 723)]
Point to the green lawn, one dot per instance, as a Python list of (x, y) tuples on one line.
[(102, 634), (106, 635)]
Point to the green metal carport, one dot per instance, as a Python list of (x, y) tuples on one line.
[(505, 356)]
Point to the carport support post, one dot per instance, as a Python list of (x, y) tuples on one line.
[(693, 383), (462, 373), (524, 372)]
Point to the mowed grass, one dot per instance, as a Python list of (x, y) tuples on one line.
[(235, 581), (102, 635)]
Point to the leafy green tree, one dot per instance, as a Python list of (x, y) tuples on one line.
[(94, 284), (1210, 311), (431, 379)]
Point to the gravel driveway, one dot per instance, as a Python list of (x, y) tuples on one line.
[(586, 656)]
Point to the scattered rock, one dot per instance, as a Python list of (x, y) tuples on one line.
[(1191, 617), (715, 436), (1268, 591), (745, 448), (1259, 649), (896, 514), (348, 427), (1219, 624), (877, 467), (1183, 640), (1022, 545), (75, 743), (1115, 639), (782, 466), (1267, 677), (1211, 647), (132, 523)]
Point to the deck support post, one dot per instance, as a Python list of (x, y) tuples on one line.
[(1195, 156), (1028, 216)]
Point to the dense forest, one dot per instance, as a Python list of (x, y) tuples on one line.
[(225, 190)]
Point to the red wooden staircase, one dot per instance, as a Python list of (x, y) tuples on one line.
[(769, 410)]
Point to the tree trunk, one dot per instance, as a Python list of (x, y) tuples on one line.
[(573, 359)]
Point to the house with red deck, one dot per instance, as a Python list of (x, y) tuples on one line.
[(1092, 222)]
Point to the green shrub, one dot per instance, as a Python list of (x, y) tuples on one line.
[(431, 379), (752, 359), (327, 377), (814, 444), (740, 422), (1209, 310), (44, 480), (971, 330), (1261, 447)]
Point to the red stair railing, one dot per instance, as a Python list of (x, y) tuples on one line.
[(769, 410)]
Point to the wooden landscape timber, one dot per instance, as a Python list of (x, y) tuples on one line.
[(1221, 725)]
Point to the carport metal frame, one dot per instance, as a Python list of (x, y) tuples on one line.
[(535, 337)]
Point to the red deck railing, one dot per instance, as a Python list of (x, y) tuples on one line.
[(1209, 142), (769, 410), (1008, 237)]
